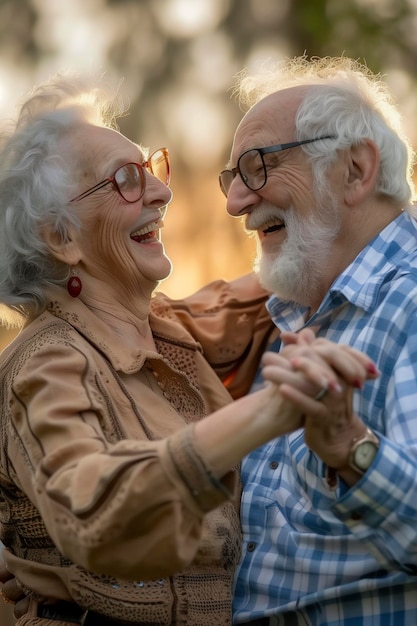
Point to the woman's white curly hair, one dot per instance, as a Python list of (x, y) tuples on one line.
[(38, 176)]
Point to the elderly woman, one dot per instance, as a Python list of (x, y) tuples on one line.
[(118, 501)]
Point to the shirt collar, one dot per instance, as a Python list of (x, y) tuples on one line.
[(98, 333)]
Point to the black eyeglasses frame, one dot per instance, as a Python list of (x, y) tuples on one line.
[(275, 148)]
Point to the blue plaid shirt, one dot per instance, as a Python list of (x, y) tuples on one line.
[(344, 556)]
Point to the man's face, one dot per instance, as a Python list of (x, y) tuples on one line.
[(295, 225)]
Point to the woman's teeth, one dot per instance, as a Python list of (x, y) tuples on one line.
[(149, 229)]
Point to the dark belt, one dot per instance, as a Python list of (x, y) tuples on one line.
[(68, 612)]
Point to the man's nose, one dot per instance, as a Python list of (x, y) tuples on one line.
[(240, 199)]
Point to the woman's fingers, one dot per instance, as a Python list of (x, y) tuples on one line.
[(279, 376), (351, 365), (311, 366), (326, 347), (304, 337), (316, 373), (277, 359)]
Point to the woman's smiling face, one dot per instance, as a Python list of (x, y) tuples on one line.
[(119, 240)]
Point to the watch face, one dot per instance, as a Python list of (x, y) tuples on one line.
[(365, 454)]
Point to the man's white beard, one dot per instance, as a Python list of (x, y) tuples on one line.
[(293, 271)]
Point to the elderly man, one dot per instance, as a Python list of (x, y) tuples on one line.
[(320, 170)]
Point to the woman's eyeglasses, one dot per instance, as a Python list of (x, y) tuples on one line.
[(253, 168), (129, 179)]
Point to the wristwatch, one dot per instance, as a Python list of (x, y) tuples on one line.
[(363, 452)]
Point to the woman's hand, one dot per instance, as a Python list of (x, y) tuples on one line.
[(324, 367)]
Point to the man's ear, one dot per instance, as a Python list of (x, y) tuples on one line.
[(65, 250), (362, 171)]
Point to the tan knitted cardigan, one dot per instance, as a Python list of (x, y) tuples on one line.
[(99, 472)]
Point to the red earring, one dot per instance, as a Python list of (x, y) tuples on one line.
[(74, 285)]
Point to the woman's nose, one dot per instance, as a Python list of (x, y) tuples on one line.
[(157, 194)]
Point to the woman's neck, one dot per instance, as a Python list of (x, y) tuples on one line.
[(130, 323)]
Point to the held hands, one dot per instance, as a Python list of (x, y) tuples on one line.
[(318, 378)]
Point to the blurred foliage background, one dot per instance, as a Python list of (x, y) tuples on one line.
[(178, 59)]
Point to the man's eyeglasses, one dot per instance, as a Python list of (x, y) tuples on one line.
[(129, 179), (253, 167)]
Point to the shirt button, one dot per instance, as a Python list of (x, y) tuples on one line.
[(251, 546), (273, 465)]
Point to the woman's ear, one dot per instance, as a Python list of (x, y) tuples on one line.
[(65, 250), (363, 166)]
